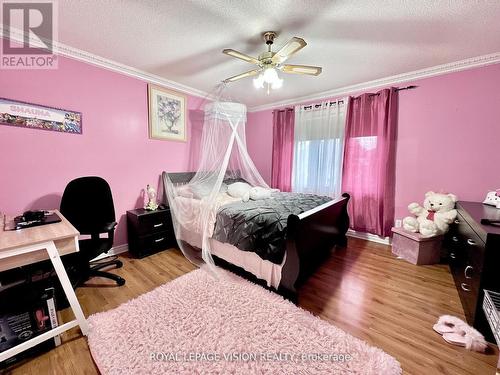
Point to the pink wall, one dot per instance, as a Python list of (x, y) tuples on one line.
[(449, 134), (259, 133), (36, 165)]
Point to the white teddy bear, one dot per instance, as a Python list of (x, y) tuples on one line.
[(435, 217)]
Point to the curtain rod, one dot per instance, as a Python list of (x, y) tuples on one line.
[(411, 87)]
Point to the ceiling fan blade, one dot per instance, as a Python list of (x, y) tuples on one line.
[(295, 44), (302, 69), (242, 75), (241, 56)]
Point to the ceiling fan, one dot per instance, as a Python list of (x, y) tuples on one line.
[(268, 62)]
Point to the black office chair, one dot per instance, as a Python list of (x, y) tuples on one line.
[(87, 203)]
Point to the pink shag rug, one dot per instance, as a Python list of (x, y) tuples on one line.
[(198, 324)]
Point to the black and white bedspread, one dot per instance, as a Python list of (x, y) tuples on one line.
[(260, 226)]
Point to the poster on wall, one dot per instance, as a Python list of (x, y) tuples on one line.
[(27, 115), (167, 114)]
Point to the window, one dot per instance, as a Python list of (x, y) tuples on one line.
[(318, 148)]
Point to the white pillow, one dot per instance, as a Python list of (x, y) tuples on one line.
[(239, 190), (258, 192)]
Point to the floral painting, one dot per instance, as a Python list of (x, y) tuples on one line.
[(167, 114)]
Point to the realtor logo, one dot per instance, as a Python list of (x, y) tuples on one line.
[(29, 29)]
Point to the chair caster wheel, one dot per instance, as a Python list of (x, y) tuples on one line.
[(119, 264), (120, 281)]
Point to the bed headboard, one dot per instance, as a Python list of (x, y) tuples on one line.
[(181, 178), (177, 178)]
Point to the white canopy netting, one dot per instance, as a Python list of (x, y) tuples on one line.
[(224, 166)]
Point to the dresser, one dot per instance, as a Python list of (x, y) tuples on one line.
[(149, 231), (473, 252)]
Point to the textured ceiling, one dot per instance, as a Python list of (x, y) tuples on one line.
[(354, 41)]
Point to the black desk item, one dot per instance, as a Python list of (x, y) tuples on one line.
[(149, 231), (32, 219), (87, 203), (474, 258)]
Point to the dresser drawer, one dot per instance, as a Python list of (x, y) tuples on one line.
[(475, 259), (468, 288), (472, 245), (466, 256), (454, 245)]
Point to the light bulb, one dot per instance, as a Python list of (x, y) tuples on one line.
[(268, 78), (277, 84), (258, 82), (270, 75)]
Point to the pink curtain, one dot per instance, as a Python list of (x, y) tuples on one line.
[(283, 125), (369, 161)]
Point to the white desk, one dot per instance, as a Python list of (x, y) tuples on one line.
[(31, 245)]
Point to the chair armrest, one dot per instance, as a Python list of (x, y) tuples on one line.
[(108, 227)]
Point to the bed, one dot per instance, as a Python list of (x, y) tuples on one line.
[(276, 242)]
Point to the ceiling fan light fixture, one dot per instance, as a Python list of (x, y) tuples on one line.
[(270, 62), (269, 77), (277, 84), (258, 82)]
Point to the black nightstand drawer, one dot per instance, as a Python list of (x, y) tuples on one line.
[(147, 245), (148, 222), (149, 231)]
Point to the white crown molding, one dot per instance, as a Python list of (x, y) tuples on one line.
[(456, 66), (61, 49)]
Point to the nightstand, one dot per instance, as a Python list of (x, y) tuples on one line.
[(149, 231)]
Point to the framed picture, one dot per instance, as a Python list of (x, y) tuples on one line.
[(27, 115), (167, 114)]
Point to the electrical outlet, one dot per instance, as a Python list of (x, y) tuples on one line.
[(398, 223)]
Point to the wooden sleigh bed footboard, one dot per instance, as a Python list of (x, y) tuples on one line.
[(310, 238)]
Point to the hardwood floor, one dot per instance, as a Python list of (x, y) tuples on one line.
[(363, 290)]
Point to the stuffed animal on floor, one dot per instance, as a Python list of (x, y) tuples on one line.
[(434, 217)]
